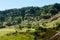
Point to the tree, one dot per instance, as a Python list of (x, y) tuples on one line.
[(1, 25), (57, 6), (20, 27), (19, 20)]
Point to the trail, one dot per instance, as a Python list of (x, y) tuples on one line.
[(55, 37)]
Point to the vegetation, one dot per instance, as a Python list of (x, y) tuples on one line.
[(30, 23)]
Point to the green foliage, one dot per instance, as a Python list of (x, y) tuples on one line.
[(20, 27), (1, 25), (16, 16), (42, 19)]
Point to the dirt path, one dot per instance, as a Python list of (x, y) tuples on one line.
[(55, 37)]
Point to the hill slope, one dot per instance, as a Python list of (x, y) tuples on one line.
[(33, 22)]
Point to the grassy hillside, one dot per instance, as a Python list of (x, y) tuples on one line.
[(30, 23), (17, 37)]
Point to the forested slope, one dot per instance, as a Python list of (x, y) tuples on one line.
[(35, 23)]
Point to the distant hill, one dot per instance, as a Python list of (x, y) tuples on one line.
[(17, 16)]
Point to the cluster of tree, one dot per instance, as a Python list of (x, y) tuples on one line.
[(16, 16)]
